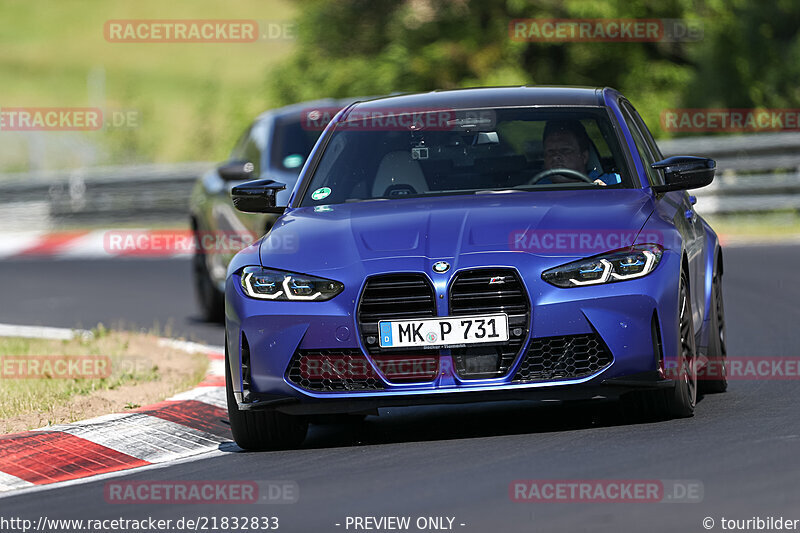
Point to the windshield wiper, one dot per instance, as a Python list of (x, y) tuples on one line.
[(495, 191)]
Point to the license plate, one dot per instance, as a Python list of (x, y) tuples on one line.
[(443, 332)]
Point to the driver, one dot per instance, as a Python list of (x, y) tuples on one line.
[(566, 145)]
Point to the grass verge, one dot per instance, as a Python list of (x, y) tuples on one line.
[(189, 100), (757, 227), (110, 372)]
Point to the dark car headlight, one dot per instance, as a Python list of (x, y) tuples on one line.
[(618, 265), (266, 284)]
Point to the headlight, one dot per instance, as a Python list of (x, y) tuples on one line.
[(620, 265), (266, 284)]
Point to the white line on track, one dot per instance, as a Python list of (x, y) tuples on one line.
[(42, 332)]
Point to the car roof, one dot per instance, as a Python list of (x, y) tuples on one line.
[(482, 97), (297, 109)]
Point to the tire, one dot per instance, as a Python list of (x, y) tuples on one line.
[(261, 430), (679, 401), (210, 300), (714, 377)]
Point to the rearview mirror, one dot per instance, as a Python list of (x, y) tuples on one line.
[(258, 196), (236, 170), (683, 172)]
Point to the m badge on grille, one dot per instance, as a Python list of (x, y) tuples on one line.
[(497, 280)]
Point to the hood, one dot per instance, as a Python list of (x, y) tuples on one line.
[(549, 223)]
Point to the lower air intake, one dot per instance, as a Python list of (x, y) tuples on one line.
[(566, 357), (332, 371)]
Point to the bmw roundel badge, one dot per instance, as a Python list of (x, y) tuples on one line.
[(441, 267)]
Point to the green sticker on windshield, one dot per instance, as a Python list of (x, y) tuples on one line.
[(292, 161), (321, 193)]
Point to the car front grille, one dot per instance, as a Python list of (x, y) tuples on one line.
[(398, 297), (338, 370), (486, 291), (565, 357), (393, 297)]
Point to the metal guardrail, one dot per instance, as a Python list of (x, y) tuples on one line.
[(755, 173), (100, 195)]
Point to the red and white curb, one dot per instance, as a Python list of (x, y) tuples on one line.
[(188, 424), (92, 244)]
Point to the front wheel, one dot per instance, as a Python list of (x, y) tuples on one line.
[(261, 430), (678, 401)]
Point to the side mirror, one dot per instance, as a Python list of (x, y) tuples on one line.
[(236, 170), (257, 196), (683, 172)]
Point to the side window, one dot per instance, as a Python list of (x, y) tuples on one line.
[(254, 147), (252, 154), (648, 137), (238, 151), (641, 146)]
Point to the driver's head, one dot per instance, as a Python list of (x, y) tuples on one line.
[(566, 145)]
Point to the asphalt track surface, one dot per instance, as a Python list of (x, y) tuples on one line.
[(743, 446)]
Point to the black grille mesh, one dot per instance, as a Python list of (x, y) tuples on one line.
[(484, 291), (393, 297), (566, 357), (332, 371)]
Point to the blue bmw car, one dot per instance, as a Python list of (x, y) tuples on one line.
[(521, 243)]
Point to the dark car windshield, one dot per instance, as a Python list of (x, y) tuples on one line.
[(391, 155), (292, 142)]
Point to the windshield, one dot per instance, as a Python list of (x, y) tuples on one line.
[(394, 155), (292, 142)]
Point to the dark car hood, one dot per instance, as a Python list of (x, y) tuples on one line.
[(313, 239)]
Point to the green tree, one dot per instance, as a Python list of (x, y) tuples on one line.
[(369, 47), (751, 56), (748, 55)]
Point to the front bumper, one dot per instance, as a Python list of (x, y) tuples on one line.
[(265, 336), (610, 389)]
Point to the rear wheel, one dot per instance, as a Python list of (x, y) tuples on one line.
[(261, 430), (714, 377)]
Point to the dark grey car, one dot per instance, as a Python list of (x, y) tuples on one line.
[(274, 146)]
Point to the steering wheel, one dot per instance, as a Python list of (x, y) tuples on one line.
[(563, 171)]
